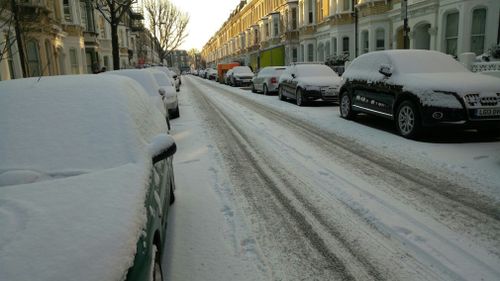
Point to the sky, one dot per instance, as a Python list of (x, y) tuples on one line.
[(206, 17)]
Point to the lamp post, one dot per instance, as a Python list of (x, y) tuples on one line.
[(404, 17), (355, 15)]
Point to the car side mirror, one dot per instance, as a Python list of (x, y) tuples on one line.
[(293, 75), (162, 92), (161, 147), (386, 70)]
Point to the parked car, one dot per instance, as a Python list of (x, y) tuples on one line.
[(418, 89), (86, 180), (305, 82), (266, 80), (241, 76), (227, 75), (212, 74), (170, 97), (175, 82)]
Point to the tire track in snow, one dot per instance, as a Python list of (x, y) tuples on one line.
[(464, 209), (236, 148)]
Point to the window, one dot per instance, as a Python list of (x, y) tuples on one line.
[(294, 54), (294, 18), (347, 5), (83, 15), (380, 39), (364, 42), (335, 50), (310, 52), (327, 50), (102, 27), (276, 21), (106, 62), (451, 33), (478, 30), (33, 58), (345, 45), (302, 52), (10, 58), (68, 16), (310, 12), (267, 29), (73, 59)]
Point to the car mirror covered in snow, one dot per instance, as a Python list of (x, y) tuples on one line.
[(161, 147)]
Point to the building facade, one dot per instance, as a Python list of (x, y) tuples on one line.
[(68, 37), (277, 32)]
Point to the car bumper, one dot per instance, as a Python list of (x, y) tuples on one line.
[(311, 95), (449, 117)]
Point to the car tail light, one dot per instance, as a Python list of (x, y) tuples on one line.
[(273, 80)]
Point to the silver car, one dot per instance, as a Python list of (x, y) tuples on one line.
[(266, 80)]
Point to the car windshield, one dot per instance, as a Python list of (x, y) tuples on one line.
[(161, 79), (314, 70), (242, 69), (89, 123), (416, 61)]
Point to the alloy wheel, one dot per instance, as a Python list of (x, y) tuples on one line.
[(406, 120), (345, 106)]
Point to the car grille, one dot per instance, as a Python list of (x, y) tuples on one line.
[(475, 100)]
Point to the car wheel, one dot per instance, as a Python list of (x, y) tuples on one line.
[(280, 93), (157, 272), (264, 90), (346, 107), (253, 89), (299, 98), (408, 120)]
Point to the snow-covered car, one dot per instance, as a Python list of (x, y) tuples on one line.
[(266, 80), (240, 76), (227, 75), (308, 82), (86, 180), (212, 74), (420, 88), (170, 97), (177, 79), (148, 82)]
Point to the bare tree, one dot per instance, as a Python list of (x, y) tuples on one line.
[(113, 11), (7, 24), (168, 25)]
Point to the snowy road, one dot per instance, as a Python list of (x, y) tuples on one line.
[(271, 191)]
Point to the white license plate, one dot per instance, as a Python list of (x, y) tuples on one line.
[(488, 112), (329, 92)]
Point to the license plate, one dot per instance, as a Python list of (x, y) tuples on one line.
[(488, 112), (329, 92)]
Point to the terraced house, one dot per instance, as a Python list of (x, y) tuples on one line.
[(277, 32), (67, 37)]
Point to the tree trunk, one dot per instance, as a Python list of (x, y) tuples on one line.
[(114, 39), (115, 46)]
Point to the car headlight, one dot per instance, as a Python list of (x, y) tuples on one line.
[(441, 99)]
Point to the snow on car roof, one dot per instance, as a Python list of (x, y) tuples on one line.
[(423, 61), (145, 78), (90, 135), (242, 69), (310, 70), (48, 125)]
